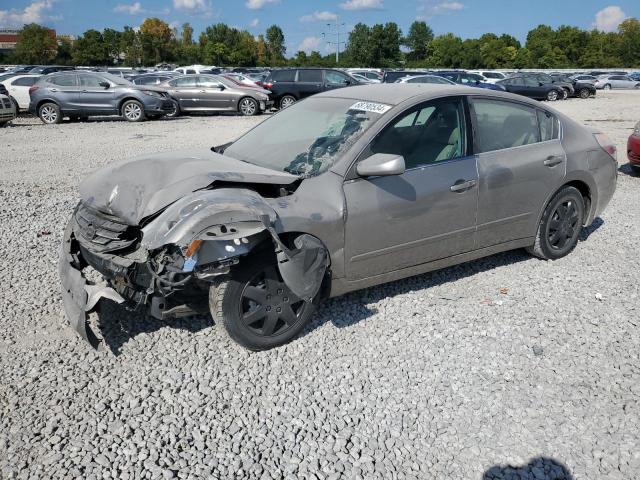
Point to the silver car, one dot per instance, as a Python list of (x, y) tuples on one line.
[(344, 190), (425, 79), (608, 82), (213, 93)]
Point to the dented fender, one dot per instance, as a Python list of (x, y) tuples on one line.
[(228, 221)]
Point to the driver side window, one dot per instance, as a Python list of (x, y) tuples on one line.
[(430, 133), (335, 78)]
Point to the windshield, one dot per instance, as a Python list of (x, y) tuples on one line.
[(307, 138)]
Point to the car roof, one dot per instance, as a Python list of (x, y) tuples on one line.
[(390, 94)]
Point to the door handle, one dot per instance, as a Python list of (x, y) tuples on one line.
[(54, 89), (553, 160), (462, 185)]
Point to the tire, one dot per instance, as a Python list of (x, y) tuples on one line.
[(3, 124), (175, 112), (248, 107), (133, 111), (552, 95), (607, 87), (258, 277), (287, 101), (565, 94), (560, 225), (15, 105), (50, 113), (584, 93)]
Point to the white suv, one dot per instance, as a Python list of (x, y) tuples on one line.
[(490, 76)]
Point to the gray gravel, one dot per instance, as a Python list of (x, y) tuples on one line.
[(502, 368)]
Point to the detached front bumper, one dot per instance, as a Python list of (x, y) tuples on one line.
[(80, 297)]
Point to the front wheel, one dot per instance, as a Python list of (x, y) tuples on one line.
[(560, 226), (287, 101), (552, 96), (248, 107), (256, 307), (133, 111), (175, 110), (565, 94)]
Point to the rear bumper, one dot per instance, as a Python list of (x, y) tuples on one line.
[(633, 149)]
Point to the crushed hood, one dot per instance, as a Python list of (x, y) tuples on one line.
[(136, 188)]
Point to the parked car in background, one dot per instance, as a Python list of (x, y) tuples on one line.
[(47, 69), (256, 230), (434, 79), (567, 86), (362, 79), (258, 77), (528, 86), (18, 88), (292, 84), (7, 110), (583, 78), (635, 76), (369, 74), (467, 79), (154, 78), (390, 76), (213, 93), (193, 69), (609, 82), (489, 76), (23, 68), (79, 95), (580, 89), (633, 149), (240, 79)]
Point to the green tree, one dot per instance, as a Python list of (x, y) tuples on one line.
[(418, 40), (445, 51), (358, 49), (187, 34), (112, 41), (275, 45), (629, 42), (300, 60), (90, 49), (155, 38), (63, 52), (130, 47), (36, 44), (316, 60)]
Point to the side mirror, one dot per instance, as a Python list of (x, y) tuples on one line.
[(540, 84), (381, 165), (104, 84), (221, 87)]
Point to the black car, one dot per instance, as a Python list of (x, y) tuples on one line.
[(528, 86), (390, 76), (580, 89), (292, 84), (567, 87), (47, 69)]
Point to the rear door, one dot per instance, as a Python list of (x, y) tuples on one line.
[(520, 163), (309, 82), (65, 90), (95, 97), (185, 91)]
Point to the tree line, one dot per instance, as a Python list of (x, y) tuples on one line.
[(378, 45)]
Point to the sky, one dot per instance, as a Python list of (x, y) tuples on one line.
[(305, 22)]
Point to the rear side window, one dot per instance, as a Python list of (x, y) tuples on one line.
[(24, 81), (183, 82), (310, 76), (283, 75), (549, 126), (501, 125), (190, 71), (64, 80)]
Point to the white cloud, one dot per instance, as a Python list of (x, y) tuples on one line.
[(193, 5), (309, 44), (175, 25), (258, 4), (254, 23), (35, 12), (133, 9), (319, 16), (362, 5), (609, 18), (429, 8)]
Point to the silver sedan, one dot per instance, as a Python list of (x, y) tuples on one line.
[(344, 190)]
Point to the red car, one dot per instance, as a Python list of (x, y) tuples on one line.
[(633, 149)]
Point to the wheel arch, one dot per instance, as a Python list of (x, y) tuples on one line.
[(587, 192), (126, 99), (47, 100)]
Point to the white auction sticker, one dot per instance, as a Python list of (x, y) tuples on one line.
[(370, 107)]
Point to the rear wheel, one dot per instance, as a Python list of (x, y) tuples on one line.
[(50, 113), (607, 87), (552, 95), (256, 307), (133, 111), (584, 93), (175, 111), (560, 226), (248, 107), (565, 94), (287, 101)]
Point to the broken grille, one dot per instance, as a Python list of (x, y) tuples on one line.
[(101, 232)]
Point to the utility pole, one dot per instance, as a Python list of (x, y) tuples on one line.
[(336, 35)]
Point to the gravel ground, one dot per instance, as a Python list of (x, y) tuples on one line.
[(507, 367)]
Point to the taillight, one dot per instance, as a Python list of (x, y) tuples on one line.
[(33, 89), (267, 85), (607, 145)]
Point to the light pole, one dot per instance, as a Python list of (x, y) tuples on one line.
[(337, 43)]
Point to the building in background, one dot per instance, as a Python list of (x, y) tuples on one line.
[(8, 40)]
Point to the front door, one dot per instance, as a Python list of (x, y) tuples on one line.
[(333, 80), (212, 94), (95, 97), (521, 162), (425, 214)]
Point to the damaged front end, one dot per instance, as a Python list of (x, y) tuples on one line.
[(167, 264)]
